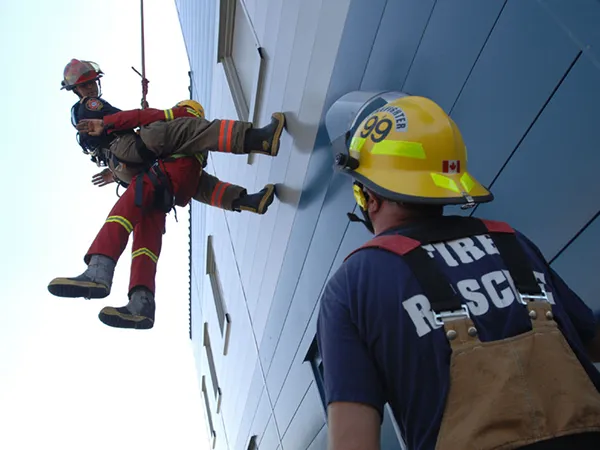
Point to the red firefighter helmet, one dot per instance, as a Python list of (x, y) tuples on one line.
[(79, 72)]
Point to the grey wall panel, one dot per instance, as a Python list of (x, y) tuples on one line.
[(349, 66), (355, 48), (398, 38), (522, 62), (554, 172), (261, 417), (298, 381), (578, 265), (270, 439), (580, 19), (323, 247), (300, 238), (281, 168), (198, 26), (304, 127), (450, 47), (307, 422), (320, 441), (250, 409)]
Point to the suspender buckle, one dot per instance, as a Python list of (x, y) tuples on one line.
[(438, 318), (526, 298)]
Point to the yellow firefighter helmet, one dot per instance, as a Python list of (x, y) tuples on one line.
[(194, 106), (411, 151)]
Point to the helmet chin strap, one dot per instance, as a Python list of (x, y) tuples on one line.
[(366, 221)]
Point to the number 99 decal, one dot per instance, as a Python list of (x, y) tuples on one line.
[(376, 128)]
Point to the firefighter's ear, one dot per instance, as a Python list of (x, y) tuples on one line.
[(374, 202)]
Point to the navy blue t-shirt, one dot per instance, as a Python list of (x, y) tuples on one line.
[(378, 340), (92, 108)]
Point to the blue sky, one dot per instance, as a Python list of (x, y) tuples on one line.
[(66, 380)]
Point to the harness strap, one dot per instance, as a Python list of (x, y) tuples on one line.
[(434, 284), (146, 155)]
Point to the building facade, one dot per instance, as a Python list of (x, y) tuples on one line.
[(520, 78)]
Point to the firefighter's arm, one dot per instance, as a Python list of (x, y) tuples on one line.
[(353, 426), (127, 120), (354, 392)]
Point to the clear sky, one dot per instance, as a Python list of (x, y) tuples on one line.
[(66, 380)]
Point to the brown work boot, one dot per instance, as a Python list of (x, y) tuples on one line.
[(257, 203), (265, 140)]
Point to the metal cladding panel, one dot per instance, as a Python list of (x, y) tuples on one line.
[(199, 25), (579, 19), (523, 61), (548, 189), (578, 265), (303, 126), (399, 34), (320, 441), (250, 409), (350, 64), (449, 48), (324, 243), (306, 424)]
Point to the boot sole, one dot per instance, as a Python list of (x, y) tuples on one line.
[(63, 287), (277, 135), (113, 318), (267, 199)]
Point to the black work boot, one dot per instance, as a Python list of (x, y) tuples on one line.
[(257, 203), (95, 282), (265, 140), (138, 313)]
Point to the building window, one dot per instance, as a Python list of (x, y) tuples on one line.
[(241, 55), (213, 433), (211, 367), (213, 274)]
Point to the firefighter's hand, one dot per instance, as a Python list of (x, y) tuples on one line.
[(93, 127), (103, 178)]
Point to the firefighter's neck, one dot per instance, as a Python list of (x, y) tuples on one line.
[(386, 215)]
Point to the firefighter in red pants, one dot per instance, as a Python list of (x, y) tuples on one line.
[(142, 210)]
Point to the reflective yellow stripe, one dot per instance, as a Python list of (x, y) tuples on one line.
[(169, 114), (193, 112), (199, 157), (121, 221), (444, 182), (391, 148), (467, 182), (144, 251)]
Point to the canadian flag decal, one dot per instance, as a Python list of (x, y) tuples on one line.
[(451, 166)]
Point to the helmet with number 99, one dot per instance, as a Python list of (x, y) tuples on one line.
[(410, 151)]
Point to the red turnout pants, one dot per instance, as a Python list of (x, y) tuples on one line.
[(146, 222)]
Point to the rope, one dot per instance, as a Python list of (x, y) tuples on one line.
[(145, 81)]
